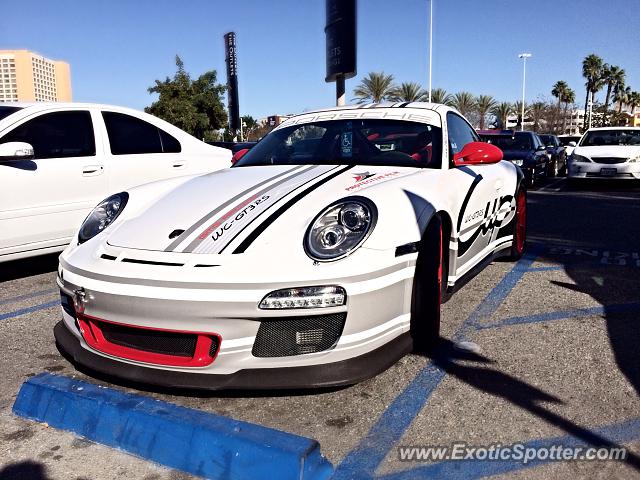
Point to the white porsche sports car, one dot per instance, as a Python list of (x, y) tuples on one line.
[(320, 258)]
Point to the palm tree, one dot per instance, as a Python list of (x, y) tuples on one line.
[(518, 110), (484, 104), (440, 95), (592, 67), (375, 87), (569, 97), (502, 111), (634, 101), (558, 91), (409, 92), (613, 76), (537, 111), (621, 95), (464, 102)]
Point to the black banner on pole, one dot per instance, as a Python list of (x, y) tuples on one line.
[(340, 32), (232, 81)]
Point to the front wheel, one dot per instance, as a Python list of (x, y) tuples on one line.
[(520, 226), (429, 284)]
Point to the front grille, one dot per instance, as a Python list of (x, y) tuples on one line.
[(285, 337), (166, 343), (609, 160), (617, 175)]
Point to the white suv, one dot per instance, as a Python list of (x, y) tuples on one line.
[(608, 152), (57, 161)]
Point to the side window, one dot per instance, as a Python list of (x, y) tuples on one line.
[(460, 133), (129, 135), (57, 135)]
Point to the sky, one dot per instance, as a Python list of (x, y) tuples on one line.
[(117, 48)]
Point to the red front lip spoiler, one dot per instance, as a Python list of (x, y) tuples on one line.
[(90, 328)]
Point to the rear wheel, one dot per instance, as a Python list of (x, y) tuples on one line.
[(429, 285), (520, 226)]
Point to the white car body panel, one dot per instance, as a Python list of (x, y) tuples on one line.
[(135, 274), (43, 201)]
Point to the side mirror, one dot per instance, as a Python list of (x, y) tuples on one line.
[(477, 153), (572, 144), (14, 151), (238, 155)]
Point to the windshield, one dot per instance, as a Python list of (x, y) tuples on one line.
[(547, 139), (599, 138), (507, 142), (6, 111), (346, 142), (564, 141)]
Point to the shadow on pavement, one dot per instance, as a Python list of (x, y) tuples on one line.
[(27, 470), (27, 267), (472, 369)]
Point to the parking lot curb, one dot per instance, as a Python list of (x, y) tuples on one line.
[(190, 440)]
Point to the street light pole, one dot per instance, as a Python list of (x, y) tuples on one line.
[(430, 43), (524, 57)]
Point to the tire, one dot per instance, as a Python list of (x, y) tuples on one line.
[(428, 288), (519, 227)]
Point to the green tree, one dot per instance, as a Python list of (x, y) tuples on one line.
[(409, 92), (568, 97), (592, 68), (538, 112), (375, 87), (502, 111), (464, 102), (559, 90), (195, 106), (440, 95), (249, 125), (634, 101), (518, 111), (612, 76), (621, 95), (484, 105)]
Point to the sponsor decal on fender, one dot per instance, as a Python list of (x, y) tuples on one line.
[(366, 178)]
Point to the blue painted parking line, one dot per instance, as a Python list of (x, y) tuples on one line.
[(19, 298), (563, 315), (24, 311), (617, 434), (190, 440), (546, 269), (365, 458)]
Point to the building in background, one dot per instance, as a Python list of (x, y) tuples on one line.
[(29, 77)]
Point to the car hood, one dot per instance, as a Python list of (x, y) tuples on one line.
[(214, 213), (621, 151)]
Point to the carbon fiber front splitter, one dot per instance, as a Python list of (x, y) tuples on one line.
[(346, 372)]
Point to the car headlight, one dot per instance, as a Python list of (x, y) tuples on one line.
[(102, 216), (340, 228), (518, 162), (579, 159)]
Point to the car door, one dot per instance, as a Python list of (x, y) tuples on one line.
[(139, 152), (44, 200), (480, 202)]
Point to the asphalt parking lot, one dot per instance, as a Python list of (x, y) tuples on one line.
[(553, 360)]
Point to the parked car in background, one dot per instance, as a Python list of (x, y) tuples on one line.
[(58, 160), (524, 149), (233, 146), (558, 161), (607, 152), (569, 142)]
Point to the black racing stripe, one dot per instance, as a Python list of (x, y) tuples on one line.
[(275, 203), (180, 238), (473, 186), (272, 218), (402, 105)]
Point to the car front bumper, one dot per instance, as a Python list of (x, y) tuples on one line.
[(376, 319), (617, 171)]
